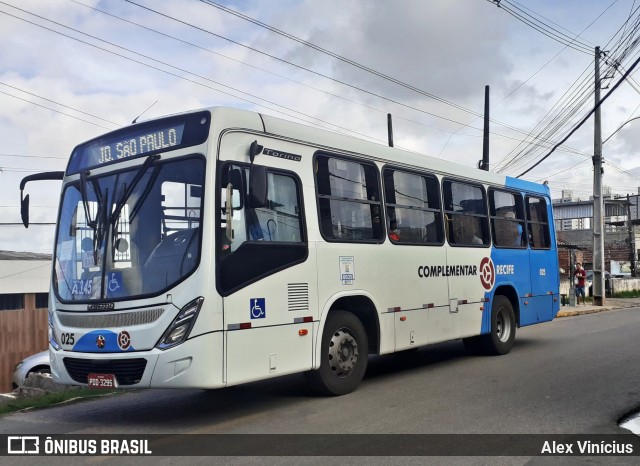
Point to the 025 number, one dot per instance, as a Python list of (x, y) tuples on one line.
[(67, 338)]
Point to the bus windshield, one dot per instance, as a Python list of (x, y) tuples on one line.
[(131, 233)]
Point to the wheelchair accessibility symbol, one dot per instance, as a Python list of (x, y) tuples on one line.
[(114, 282), (258, 308)]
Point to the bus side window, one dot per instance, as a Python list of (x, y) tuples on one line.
[(507, 218), (349, 203), (413, 203), (465, 205), (537, 223)]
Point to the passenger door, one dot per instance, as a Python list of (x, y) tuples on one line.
[(266, 272)]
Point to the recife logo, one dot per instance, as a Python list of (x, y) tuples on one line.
[(487, 273)]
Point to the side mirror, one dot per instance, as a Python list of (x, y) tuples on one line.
[(254, 150), (24, 200), (24, 209), (258, 186)]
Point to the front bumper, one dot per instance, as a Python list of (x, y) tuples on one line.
[(196, 363)]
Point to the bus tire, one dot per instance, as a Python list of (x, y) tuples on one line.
[(343, 355), (503, 327)]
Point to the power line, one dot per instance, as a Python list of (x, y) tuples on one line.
[(337, 96), (171, 73), (635, 63), (34, 156), (58, 103), (53, 109), (27, 270), (542, 27), (531, 77), (332, 54), (462, 125), (194, 74), (588, 43), (506, 125), (577, 96), (11, 224)]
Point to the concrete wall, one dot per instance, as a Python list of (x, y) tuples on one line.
[(24, 276), (618, 285)]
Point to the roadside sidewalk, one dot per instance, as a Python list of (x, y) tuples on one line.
[(609, 304)]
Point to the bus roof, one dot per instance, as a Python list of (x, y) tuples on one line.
[(330, 140)]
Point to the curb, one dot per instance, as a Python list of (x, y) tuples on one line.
[(591, 310)]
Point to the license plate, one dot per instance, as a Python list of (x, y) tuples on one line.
[(102, 381)]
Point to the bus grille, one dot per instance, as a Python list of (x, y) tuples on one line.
[(127, 371), (119, 319)]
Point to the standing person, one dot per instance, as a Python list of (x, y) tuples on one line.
[(580, 277)]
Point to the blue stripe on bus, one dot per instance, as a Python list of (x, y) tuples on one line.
[(88, 343), (524, 185)]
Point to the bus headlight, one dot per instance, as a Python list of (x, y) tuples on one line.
[(179, 329), (53, 340)]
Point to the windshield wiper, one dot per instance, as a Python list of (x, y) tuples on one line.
[(129, 190), (126, 194), (96, 224)]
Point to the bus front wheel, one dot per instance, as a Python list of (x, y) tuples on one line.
[(344, 355)]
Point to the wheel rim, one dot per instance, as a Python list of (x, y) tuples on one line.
[(343, 353), (503, 325)]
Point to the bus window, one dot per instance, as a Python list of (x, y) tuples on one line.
[(507, 219), (348, 200), (413, 207), (278, 221), (181, 206), (537, 223), (466, 213)]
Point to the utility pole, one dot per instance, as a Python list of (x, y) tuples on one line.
[(484, 165), (598, 203), (632, 239)]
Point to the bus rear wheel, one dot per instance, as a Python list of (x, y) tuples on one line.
[(503, 327), (344, 355)]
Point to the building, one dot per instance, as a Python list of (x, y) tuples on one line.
[(24, 292), (573, 220)]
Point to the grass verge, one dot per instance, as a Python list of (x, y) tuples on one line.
[(50, 399), (626, 294)]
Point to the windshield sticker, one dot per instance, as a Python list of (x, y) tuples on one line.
[(258, 308), (347, 270), (114, 284), (82, 287)]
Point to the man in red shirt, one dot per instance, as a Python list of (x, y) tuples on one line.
[(580, 277)]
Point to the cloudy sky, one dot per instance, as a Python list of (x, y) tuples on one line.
[(71, 70)]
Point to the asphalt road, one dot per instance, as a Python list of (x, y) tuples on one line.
[(576, 375)]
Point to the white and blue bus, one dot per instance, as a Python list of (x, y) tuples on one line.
[(221, 246)]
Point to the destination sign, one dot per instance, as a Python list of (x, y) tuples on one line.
[(164, 138), (142, 139)]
